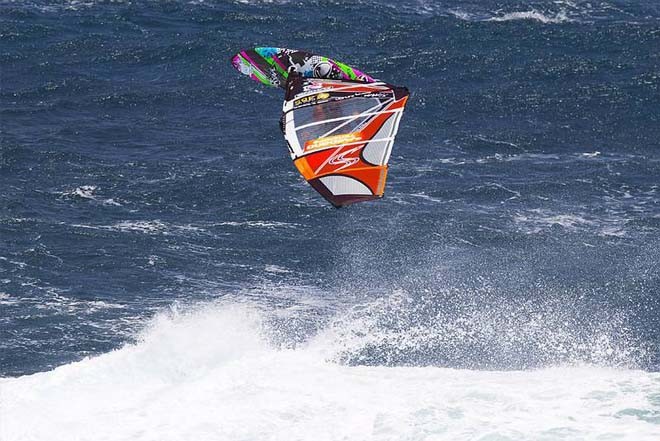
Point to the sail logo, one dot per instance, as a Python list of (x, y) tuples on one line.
[(332, 141), (343, 160), (340, 160)]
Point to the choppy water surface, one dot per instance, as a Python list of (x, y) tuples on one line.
[(507, 286)]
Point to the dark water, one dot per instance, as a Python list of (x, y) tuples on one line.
[(521, 221)]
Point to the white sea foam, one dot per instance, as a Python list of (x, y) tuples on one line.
[(258, 224), (88, 192), (212, 375), (476, 12), (262, 2), (111, 201), (6, 299), (147, 227), (560, 17), (537, 221), (85, 192), (568, 221), (276, 269), (426, 197), (54, 300), (463, 15), (13, 262)]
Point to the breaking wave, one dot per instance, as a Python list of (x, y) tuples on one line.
[(437, 330), (216, 372)]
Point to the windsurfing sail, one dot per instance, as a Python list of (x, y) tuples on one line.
[(339, 122), (272, 65), (340, 134)]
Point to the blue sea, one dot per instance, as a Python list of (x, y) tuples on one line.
[(166, 274)]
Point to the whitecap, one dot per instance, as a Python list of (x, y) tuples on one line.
[(84, 192), (560, 17), (276, 269)]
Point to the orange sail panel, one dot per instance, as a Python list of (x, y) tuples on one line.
[(340, 134)]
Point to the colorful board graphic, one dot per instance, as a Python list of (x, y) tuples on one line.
[(271, 66)]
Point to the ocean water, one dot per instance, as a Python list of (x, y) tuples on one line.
[(166, 274)]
